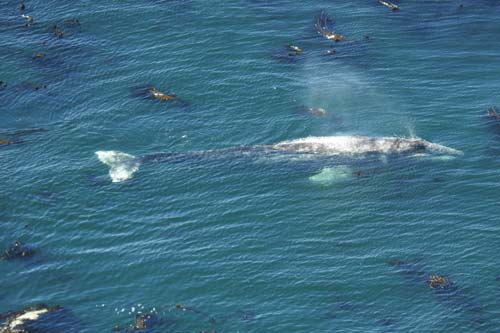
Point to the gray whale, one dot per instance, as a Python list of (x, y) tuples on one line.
[(122, 166), (352, 145)]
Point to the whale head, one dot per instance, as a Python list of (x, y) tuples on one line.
[(424, 146)]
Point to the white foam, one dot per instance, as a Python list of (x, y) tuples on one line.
[(443, 158), (330, 175), (438, 158), (122, 166), (419, 155)]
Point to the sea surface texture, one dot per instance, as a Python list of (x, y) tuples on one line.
[(222, 234)]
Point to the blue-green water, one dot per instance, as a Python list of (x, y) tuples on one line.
[(256, 244)]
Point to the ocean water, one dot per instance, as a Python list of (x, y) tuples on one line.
[(251, 242)]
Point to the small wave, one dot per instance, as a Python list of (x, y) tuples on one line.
[(122, 166), (442, 158)]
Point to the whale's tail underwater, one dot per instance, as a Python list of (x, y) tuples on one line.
[(123, 166)]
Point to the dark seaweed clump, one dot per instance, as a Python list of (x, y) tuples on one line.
[(18, 251)]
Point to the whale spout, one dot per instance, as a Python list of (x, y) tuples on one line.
[(122, 166)]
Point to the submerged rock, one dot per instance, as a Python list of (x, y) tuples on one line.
[(396, 262), (72, 22), (294, 48), (57, 31), (142, 322), (156, 94), (389, 5), (446, 292), (187, 308), (29, 86), (317, 111), (388, 322), (438, 281), (5, 141), (18, 250), (493, 113), (312, 111), (29, 19), (150, 91), (142, 91), (289, 54), (287, 57), (416, 274), (322, 27), (25, 131), (492, 120), (16, 137)]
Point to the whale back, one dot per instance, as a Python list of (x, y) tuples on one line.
[(356, 145)]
